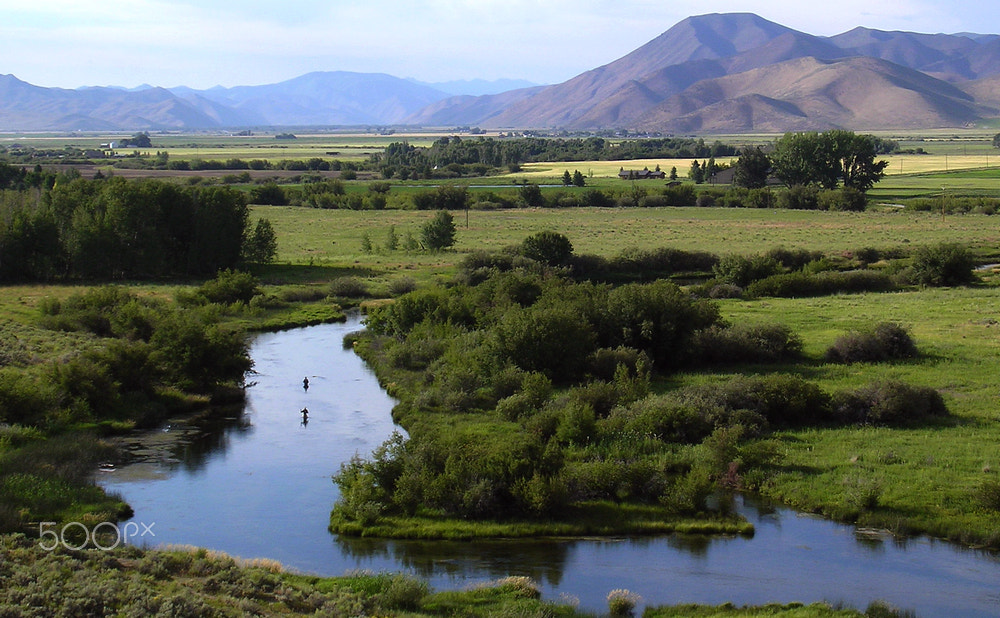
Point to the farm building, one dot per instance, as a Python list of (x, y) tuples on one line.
[(643, 174)]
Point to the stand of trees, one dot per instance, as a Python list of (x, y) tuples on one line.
[(116, 229), (453, 156), (829, 160)]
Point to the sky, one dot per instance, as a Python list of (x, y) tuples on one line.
[(204, 43)]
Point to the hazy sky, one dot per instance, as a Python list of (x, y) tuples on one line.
[(202, 43)]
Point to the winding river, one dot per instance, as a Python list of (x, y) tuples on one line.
[(258, 485)]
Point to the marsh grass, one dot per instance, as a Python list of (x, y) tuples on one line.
[(585, 519), (929, 483)]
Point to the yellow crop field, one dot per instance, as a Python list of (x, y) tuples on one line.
[(608, 169), (921, 164)]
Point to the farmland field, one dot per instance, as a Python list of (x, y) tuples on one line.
[(334, 236)]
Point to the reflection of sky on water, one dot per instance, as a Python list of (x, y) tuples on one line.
[(258, 484)]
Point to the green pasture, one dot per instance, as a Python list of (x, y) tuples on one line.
[(926, 476), (333, 237)]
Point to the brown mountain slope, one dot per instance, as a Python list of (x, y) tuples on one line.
[(985, 91), (634, 100), (856, 93), (706, 37), (778, 75)]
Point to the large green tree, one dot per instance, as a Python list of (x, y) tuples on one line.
[(752, 169), (828, 159)]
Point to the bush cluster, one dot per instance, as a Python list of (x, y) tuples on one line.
[(557, 374), (151, 348), (883, 342)]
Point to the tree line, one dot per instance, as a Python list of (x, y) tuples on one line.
[(115, 229), (457, 156), (828, 160)]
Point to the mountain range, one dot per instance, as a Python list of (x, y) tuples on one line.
[(715, 73)]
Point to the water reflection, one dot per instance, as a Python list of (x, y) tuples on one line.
[(542, 560), (210, 437)]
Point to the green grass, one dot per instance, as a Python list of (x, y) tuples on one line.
[(587, 519), (333, 237), (927, 476)]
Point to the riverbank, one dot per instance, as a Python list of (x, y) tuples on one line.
[(188, 581)]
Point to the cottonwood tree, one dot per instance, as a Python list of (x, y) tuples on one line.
[(828, 159)]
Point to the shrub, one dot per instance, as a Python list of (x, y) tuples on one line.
[(402, 285), (743, 270), (945, 264), (403, 592), (547, 247), (661, 417), (802, 284), (987, 495), (269, 194), (519, 586), (861, 493), (793, 259), (554, 341), (746, 343), (438, 233), (888, 402), (229, 287), (885, 341), (658, 263), (658, 318), (680, 195), (799, 197), (349, 287), (844, 199), (781, 399), (605, 361), (622, 602)]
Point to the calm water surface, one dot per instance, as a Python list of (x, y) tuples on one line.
[(259, 485)]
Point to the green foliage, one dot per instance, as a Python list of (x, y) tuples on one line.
[(438, 233), (621, 602), (658, 318), (531, 195), (803, 284), (547, 247), (349, 287), (946, 264), (885, 341), (554, 341), (828, 159), (799, 197), (778, 399), (115, 228), (752, 169), (445, 197), (888, 402), (746, 343), (987, 495), (229, 287), (261, 245), (743, 270), (269, 194)]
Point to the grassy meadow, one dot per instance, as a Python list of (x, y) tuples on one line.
[(333, 237), (923, 479)]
